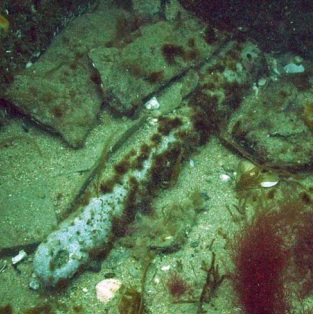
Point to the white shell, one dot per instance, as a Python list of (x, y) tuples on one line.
[(269, 179), (262, 81), (268, 184), (191, 163), (28, 65), (21, 255), (106, 289), (165, 267), (225, 177), (152, 104), (294, 68)]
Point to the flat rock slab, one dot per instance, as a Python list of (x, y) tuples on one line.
[(157, 54), (60, 90), (59, 95), (274, 125)]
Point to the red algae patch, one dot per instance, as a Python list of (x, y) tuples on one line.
[(260, 263)]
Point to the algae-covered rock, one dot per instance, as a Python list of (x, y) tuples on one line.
[(61, 96), (271, 125), (160, 53)]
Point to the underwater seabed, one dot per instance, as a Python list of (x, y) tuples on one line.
[(226, 223)]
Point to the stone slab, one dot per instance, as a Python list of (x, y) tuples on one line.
[(61, 96), (157, 54)]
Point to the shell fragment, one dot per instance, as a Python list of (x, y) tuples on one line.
[(20, 256), (106, 289), (152, 104), (268, 184)]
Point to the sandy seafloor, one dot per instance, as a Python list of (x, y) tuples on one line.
[(56, 170)]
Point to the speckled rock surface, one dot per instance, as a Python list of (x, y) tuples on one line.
[(273, 124), (60, 95), (158, 53)]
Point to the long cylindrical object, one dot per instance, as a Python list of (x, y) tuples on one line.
[(67, 249)]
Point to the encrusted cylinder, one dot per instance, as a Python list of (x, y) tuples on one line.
[(68, 248)]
